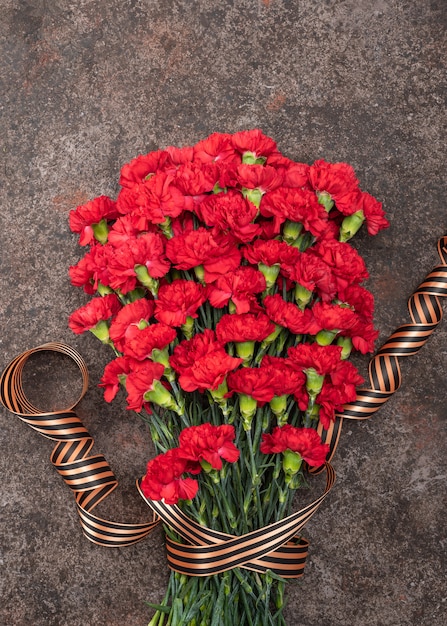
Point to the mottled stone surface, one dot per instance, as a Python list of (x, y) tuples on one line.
[(86, 86)]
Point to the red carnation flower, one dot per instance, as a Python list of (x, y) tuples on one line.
[(128, 227), (92, 270), (373, 212), (202, 362), (345, 374), (163, 479), (147, 250), (262, 177), (244, 327), (314, 274), (323, 359), (347, 266), (208, 443), (115, 373), (87, 215), (217, 147), (296, 205), (216, 253), (339, 388), (333, 317), (271, 252), (186, 353), (143, 167), (289, 316), (195, 179), (239, 286), (153, 337), (252, 381), (305, 441), (363, 335), (285, 379), (254, 141), (180, 156), (360, 299), (140, 381), (129, 320), (230, 212), (208, 373), (97, 310), (162, 198), (178, 300), (336, 179), (295, 174)]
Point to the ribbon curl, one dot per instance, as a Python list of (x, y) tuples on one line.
[(89, 477)]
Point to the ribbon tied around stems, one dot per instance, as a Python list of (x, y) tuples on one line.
[(276, 547)]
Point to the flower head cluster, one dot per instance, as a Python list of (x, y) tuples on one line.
[(200, 448), (222, 275)]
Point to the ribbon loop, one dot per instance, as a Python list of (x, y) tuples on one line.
[(89, 477)]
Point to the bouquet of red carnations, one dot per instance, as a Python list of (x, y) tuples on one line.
[(224, 283)]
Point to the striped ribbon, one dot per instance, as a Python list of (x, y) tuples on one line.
[(276, 547), (89, 477), (384, 368)]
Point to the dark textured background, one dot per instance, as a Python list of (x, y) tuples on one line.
[(86, 86)]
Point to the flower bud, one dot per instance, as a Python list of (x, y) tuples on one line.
[(251, 159), (270, 273), (101, 231), (207, 467), (278, 404), (346, 346), (351, 225), (103, 290), (324, 198), (247, 407), (188, 327), (166, 229), (245, 350), (218, 395), (314, 381), (143, 276), (199, 271), (302, 296), (161, 396), (254, 195), (291, 462), (325, 337), (291, 231), (161, 356), (271, 338), (101, 331)]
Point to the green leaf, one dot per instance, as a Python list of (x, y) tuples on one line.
[(159, 607)]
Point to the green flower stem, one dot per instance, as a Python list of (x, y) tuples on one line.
[(160, 434), (310, 417), (255, 479)]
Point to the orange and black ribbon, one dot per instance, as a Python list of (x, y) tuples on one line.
[(276, 547), (89, 477)]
